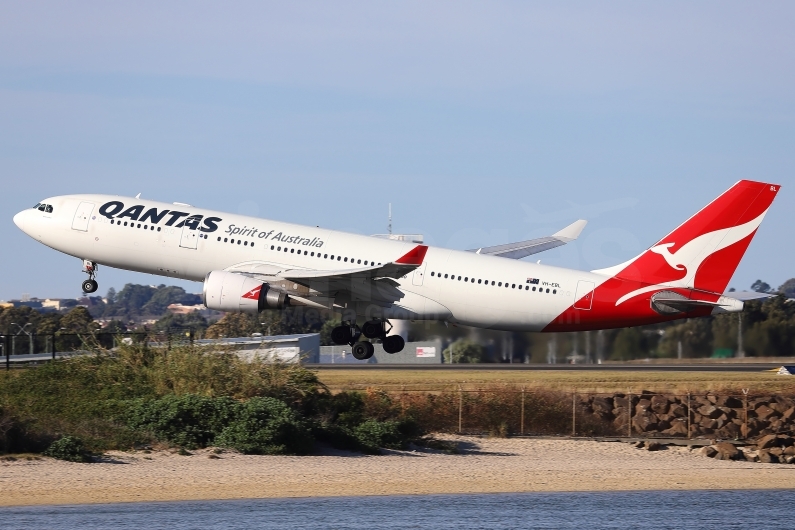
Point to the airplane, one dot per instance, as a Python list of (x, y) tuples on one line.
[(249, 264)]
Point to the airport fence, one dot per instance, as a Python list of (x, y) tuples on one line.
[(519, 411), (30, 348)]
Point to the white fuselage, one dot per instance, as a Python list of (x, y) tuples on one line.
[(450, 285)]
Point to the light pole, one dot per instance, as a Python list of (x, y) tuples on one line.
[(22, 330)]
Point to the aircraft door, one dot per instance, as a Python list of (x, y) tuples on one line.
[(189, 237), (82, 215), (584, 297), (419, 275)]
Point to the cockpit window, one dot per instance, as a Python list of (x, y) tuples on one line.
[(41, 207), (46, 208), (37, 206)]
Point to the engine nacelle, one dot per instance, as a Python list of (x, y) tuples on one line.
[(229, 291)]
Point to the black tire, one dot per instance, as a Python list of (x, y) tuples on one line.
[(362, 350), (341, 335), (90, 286), (393, 344), (373, 329)]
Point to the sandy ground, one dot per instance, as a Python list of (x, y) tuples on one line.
[(485, 466)]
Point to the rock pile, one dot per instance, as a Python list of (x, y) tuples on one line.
[(769, 449), (726, 417)]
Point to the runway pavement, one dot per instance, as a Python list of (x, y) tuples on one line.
[(622, 367)]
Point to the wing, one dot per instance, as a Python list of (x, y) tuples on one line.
[(534, 246), (322, 288)]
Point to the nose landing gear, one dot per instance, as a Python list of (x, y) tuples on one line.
[(90, 268)]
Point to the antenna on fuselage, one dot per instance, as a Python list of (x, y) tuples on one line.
[(389, 226)]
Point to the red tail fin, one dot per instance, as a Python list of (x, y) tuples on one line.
[(705, 250)]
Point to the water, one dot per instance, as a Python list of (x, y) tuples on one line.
[(657, 510)]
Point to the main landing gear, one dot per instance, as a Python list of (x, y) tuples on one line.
[(349, 333), (90, 268)]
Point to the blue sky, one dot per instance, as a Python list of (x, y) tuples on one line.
[(482, 122)]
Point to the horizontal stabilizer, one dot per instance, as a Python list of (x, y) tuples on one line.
[(747, 296), (534, 246)]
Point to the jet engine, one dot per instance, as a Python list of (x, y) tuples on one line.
[(229, 291)]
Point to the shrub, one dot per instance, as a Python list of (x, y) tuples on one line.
[(266, 426), (189, 421), (340, 437), (68, 448), (374, 434)]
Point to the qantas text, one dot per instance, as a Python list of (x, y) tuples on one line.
[(116, 210)]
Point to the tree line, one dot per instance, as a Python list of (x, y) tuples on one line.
[(768, 328)]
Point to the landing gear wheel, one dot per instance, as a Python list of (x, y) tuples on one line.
[(90, 286), (373, 329), (393, 344), (362, 350), (376, 329), (345, 334), (90, 268)]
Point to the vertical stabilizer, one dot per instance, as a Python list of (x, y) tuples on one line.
[(704, 251)]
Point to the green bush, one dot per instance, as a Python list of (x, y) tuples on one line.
[(267, 426), (374, 434), (340, 437), (189, 421), (68, 448)]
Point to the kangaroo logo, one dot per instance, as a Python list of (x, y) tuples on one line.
[(693, 253), (253, 294)]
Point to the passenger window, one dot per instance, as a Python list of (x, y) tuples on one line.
[(478, 282), (346, 260), (339, 258), (459, 278), (445, 276), (271, 247), (547, 290), (358, 262), (245, 244), (499, 284), (365, 262), (554, 291), (466, 279), (534, 288), (292, 251), (513, 286)]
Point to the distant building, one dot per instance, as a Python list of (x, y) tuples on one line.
[(179, 309), (59, 304), (427, 352), (285, 348)]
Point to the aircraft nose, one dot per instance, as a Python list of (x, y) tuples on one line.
[(19, 220)]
